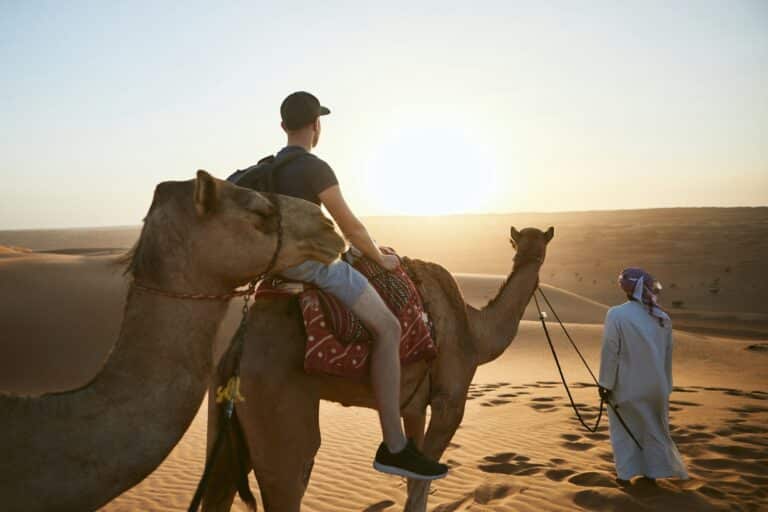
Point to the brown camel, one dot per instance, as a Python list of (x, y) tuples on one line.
[(78, 449), (280, 415)]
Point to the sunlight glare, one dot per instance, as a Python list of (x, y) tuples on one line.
[(432, 171)]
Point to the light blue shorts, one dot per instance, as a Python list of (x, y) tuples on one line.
[(339, 278)]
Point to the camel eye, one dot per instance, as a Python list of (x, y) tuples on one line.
[(266, 223)]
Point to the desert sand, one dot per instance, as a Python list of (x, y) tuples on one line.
[(519, 447)]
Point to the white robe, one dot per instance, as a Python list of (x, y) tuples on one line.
[(636, 364)]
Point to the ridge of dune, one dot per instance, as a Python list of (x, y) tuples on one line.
[(10, 250)]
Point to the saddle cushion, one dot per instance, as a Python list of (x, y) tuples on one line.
[(337, 341)]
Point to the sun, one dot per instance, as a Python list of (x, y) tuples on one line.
[(430, 170)]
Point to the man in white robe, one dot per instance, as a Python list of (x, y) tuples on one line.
[(636, 376)]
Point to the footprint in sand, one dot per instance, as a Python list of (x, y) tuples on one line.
[(592, 479), (578, 447), (382, 505), (749, 409), (741, 428), (710, 388), (558, 475), (739, 452), (540, 385), (683, 436), (570, 437), (545, 399), (543, 407), (757, 480), (754, 395), (593, 500), (678, 389), (487, 494), (606, 456), (597, 436), (510, 464), (751, 439), (683, 403), (730, 465), (501, 457)]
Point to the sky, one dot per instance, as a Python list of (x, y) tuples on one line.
[(437, 107)]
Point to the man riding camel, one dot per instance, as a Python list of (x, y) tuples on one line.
[(306, 176)]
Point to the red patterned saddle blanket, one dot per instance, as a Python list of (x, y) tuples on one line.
[(337, 341)]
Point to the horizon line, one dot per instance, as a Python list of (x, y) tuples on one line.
[(443, 215)]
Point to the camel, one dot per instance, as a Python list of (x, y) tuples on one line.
[(279, 418), (78, 449)]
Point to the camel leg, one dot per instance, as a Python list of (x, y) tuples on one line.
[(447, 414), (283, 436)]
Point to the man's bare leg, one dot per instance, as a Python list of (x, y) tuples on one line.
[(385, 364)]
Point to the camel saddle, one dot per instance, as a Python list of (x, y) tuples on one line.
[(337, 341)]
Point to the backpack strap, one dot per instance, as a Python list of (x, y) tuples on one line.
[(275, 164), (267, 167)]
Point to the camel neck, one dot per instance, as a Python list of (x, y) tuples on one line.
[(494, 327), (120, 426)]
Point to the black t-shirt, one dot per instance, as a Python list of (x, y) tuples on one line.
[(305, 176)]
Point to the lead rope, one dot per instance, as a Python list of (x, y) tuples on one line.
[(229, 393), (542, 317)]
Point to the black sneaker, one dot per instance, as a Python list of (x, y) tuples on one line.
[(409, 462)]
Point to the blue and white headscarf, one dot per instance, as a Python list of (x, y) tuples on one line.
[(642, 287)]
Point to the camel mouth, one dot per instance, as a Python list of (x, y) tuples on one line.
[(327, 249)]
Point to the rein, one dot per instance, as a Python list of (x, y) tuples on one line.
[(542, 317), (193, 296)]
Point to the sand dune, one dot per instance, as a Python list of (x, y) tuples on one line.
[(7, 251), (519, 447)]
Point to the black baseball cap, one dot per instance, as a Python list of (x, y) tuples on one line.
[(300, 109)]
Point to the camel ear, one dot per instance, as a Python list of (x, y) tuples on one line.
[(514, 236), (206, 193), (258, 203), (549, 233)]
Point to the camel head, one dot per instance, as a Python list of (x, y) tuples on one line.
[(530, 244), (213, 234)]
